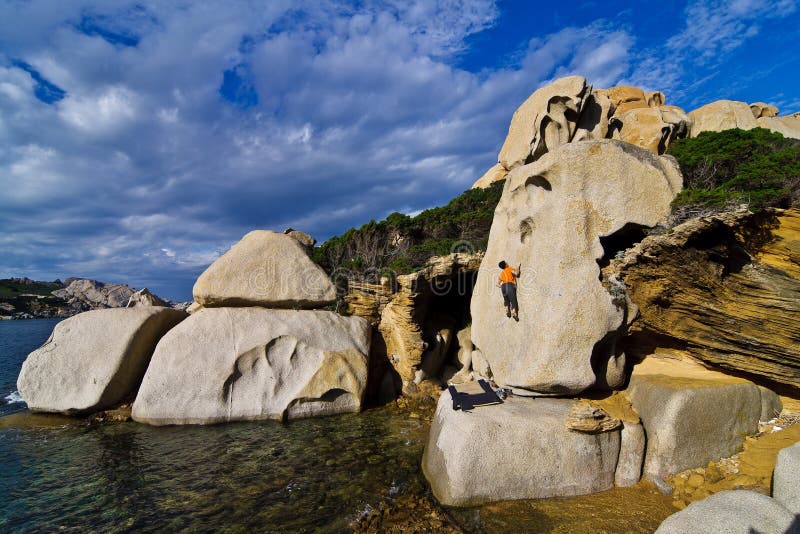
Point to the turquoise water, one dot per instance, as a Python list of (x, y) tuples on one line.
[(315, 475)]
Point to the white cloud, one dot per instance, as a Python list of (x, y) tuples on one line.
[(102, 113)]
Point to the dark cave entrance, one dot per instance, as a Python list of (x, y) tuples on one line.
[(619, 241)]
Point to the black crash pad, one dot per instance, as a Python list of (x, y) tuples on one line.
[(467, 401)]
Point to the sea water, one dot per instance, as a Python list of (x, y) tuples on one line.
[(313, 475)]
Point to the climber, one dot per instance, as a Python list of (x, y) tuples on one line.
[(507, 282)]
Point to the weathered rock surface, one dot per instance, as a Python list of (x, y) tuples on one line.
[(144, 297), (785, 487), (583, 417), (732, 512), (494, 174), (94, 359), (595, 114), (265, 269), (762, 109), (580, 192), (722, 115), (691, 415), (546, 120), (516, 450), (409, 337), (786, 126), (228, 364), (86, 294), (725, 288)]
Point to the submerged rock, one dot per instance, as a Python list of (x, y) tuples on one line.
[(732, 512), (520, 449), (265, 269), (550, 220), (228, 364), (93, 360)]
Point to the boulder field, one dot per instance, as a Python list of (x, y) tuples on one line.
[(569, 110), (232, 359)]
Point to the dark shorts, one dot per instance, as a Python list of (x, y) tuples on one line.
[(509, 292)]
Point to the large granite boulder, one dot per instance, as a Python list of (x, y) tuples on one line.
[(722, 115), (520, 449), (550, 220), (732, 512), (786, 126), (93, 360), (546, 120), (785, 487), (228, 364), (692, 415), (265, 269)]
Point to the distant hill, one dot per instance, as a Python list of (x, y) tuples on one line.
[(23, 298)]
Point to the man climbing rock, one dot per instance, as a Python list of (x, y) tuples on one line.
[(507, 282)]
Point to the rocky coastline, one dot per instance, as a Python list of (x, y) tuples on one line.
[(23, 298), (642, 351)]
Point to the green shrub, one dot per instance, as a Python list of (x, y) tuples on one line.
[(403, 244), (754, 167)]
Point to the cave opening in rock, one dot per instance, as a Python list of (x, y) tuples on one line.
[(619, 241), (448, 312)]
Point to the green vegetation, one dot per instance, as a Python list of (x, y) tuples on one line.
[(724, 169), (402, 244), (14, 287)]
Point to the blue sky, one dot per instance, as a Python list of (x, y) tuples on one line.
[(139, 140)]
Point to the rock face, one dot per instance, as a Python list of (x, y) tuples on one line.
[(94, 359), (408, 328), (516, 450), (85, 294), (568, 319), (228, 364), (722, 115), (725, 288), (144, 297), (784, 482), (732, 512), (264, 269), (692, 415), (546, 120)]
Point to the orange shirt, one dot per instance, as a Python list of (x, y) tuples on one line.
[(507, 276)]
